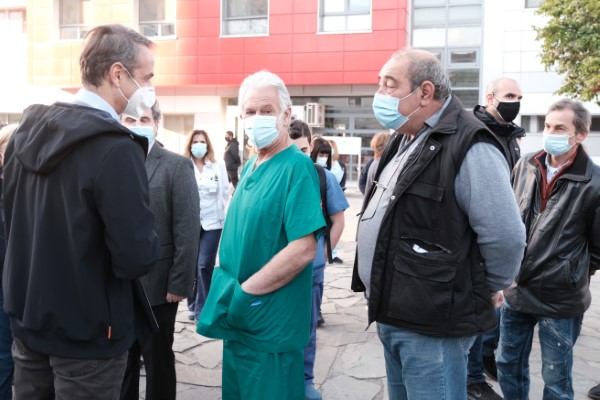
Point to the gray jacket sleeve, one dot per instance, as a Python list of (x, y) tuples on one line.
[(186, 230), (484, 193)]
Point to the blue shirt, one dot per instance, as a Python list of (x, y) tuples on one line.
[(336, 202), (90, 99)]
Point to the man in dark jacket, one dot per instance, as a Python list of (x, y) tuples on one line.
[(79, 227), (175, 204), (232, 158), (558, 192), (431, 257), (503, 100)]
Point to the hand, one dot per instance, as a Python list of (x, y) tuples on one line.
[(498, 299), (173, 298)]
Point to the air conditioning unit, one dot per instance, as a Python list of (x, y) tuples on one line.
[(315, 114)]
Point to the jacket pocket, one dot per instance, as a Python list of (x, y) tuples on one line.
[(422, 286), (249, 312)]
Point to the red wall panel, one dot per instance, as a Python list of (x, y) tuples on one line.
[(293, 49)]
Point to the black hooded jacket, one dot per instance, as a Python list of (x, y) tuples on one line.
[(507, 133), (78, 230)]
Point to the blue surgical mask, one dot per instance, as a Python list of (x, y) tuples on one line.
[(322, 161), (261, 130), (556, 145), (386, 110), (145, 131), (199, 149)]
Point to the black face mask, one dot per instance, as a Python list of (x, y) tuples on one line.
[(508, 111), (227, 139)]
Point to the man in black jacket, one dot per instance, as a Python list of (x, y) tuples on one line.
[(232, 158), (430, 255), (79, 227), (558, 192), (503, 100)]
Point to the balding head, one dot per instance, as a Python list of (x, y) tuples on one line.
[(421, 66), (419, 84), (502, 90)]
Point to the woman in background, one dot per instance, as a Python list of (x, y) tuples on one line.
[(338, 168), (213, 188), (378, 143)]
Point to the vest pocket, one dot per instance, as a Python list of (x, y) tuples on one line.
[(422, 285)]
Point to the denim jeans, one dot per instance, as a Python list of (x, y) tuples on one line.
[(424, 367), (484, 344), (6, 360), (557, 338), (207, 254), (310, 349)]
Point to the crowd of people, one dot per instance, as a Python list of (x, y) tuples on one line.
[(463, 245)]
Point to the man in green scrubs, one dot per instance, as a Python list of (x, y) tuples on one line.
[(260, 296)]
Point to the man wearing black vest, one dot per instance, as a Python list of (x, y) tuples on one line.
[(431, 256), (502, 104)]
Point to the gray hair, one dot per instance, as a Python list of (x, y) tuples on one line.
[(262, 79), (156, 112), (581, 118), (106, 45), (423, 66)]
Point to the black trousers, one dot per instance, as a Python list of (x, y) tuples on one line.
[(159, 360), (232, 174)]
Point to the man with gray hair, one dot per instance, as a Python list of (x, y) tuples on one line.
[(558, 192), (431, 256), (260, 300), (79, 229)]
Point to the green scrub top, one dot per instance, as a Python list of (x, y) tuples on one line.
[(274, 204)]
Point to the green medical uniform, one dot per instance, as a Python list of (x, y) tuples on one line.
[(274, 204)]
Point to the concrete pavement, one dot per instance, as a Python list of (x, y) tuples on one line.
[(349, 362)]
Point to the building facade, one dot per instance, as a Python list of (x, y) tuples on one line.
[(328, 52)]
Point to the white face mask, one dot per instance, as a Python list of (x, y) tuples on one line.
[(141, 99), (322, 161), (145, 131)]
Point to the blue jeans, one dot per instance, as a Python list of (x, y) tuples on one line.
[(6, 360), (557, 338), (484, 345), (207, 254), (424, 367), (311, 348)]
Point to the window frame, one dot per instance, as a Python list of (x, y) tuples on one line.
[(81, 28), (225, 20), (158, 23), (533, 3), (321, 15)]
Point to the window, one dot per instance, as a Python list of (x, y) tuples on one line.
[(157, 17), (345, 15), (451, 29), (72, 17), (245, 17), (12, 22), (533, 3)]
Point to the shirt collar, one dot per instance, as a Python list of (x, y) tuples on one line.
[(433, 120), (91, 99)]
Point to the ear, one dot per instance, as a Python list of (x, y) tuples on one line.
[(580, 136), (489, 99), (286, 116), (427, 93), (115, 73)]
